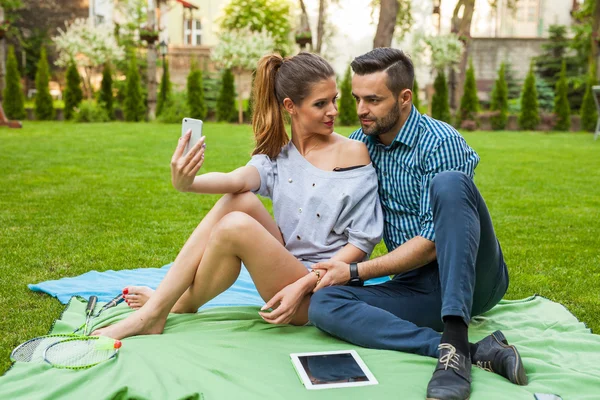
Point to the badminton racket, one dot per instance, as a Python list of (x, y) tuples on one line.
[(81, 352)]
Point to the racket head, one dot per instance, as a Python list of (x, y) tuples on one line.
[(33, 350), (81, 352)]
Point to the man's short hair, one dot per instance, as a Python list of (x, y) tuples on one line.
[(395, 62)]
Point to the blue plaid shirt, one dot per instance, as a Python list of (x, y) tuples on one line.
[(423, 147)]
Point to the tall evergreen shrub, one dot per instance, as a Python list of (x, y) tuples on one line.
[(348, 115), (226, 110), (73, 93), (44, 107), (106, 91), (134, 107), (562, 110), (500, 100), (440, 106), (588, 112), (415, 99), (469, 103), (529, 117), (13, 99), (195, 93), (165, 89)]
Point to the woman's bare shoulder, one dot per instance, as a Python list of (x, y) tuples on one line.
[(353, 152)]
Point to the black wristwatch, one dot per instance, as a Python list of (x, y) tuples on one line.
[(354, 278)]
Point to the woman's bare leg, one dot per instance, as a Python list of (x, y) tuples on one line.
[(150, 318)]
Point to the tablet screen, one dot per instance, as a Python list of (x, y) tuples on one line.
[(332, 369)]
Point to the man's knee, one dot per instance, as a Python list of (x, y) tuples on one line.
[(448, 184), (323, 304)]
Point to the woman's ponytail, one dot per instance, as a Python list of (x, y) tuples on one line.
[(267, 120)]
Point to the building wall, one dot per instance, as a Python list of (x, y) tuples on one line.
[(172, 18)]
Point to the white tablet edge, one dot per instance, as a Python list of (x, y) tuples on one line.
[(310, 386)]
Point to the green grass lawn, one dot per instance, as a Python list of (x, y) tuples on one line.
[(77, 197)]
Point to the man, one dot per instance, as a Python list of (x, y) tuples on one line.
[(442, 248)]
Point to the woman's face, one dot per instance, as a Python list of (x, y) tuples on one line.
[(318, 110)]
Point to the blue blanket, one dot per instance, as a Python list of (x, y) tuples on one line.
[(109, 284)]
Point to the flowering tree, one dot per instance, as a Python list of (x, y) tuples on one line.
[(90, 46), (240, 50), (439, 52)]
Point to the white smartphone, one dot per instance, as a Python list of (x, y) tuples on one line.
[(196, 126)]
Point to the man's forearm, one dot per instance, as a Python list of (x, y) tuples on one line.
[(413, 254)]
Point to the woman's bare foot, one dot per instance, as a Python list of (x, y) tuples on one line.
[(138, 323), (137, 296)]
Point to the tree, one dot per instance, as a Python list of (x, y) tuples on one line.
[(89, 45), (469, 103), (165, 90), (134, 107), (13, 103), (440, 108), (588, 112), (44, 106), (348, 115), (561, 103), (529, 117), (226, 100), (106, 93), (73, 93), (392, 14), (415, 98), (151, 57), (195, 93), (272, 16), (240, 51), (499, 101)]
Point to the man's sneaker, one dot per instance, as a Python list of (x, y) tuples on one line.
[(451, 379), (494, 354)]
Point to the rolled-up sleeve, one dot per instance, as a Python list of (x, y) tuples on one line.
[(363, 222), (267, 169), (452, 154)]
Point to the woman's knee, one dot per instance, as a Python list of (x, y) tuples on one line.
[(233, 226), (245, 202)]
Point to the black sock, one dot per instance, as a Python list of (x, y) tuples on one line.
[(456, 334), (473, 347)]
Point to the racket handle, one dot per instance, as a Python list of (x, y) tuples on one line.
[(117, 300), (91, 305)]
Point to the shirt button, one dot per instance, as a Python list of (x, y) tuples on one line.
[(290, 180), (384, 173), (298, 237), (300, 211)]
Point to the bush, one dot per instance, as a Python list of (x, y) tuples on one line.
[(106, 94), (499, 101), (415, 100), (44, 108), (195, 94), (440, 106), (226, 102), (348, 115), (13, 102), (561, 103), (175, 109), (469, 103), (165, 89), (89, 111), (73, 92), (134, 107), (588, 112), (250, 109), (529, 118)]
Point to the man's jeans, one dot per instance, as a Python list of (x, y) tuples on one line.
[(405, 314)]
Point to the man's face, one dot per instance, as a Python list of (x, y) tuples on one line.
[(377, 107)]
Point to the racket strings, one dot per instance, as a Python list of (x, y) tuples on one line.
[(77, 353), (33, 350)]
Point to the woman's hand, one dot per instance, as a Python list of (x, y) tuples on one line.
[(289, 299), (185, 167)]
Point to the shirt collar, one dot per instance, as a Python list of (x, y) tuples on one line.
[(407, 134)]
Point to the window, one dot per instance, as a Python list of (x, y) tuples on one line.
[(192, 32)]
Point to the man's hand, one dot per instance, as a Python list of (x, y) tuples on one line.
[(289, 299), (336, 273), (185, 167)]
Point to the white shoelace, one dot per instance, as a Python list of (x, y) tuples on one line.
[(451, 358), (485, 365)]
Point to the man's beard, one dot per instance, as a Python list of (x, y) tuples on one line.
[(385, 124)]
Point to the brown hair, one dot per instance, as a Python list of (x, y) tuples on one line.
[(394, 62), (276, 79)]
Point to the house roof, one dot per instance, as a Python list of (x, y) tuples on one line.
[(187, 4)]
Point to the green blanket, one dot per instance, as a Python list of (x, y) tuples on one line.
[(230, 353)]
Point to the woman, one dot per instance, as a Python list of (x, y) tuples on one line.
[(324, 193)]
